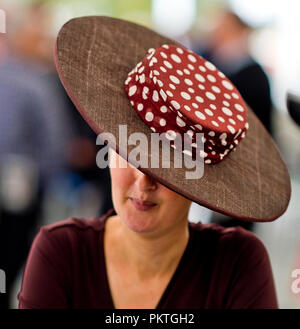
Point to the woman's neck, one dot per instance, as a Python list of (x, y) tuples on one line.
[(148, 255)]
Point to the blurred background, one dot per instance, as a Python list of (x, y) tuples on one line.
[(47, 152)]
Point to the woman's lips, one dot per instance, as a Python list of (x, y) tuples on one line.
[(142, 205)]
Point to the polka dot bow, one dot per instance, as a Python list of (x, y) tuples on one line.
[(176, 91)]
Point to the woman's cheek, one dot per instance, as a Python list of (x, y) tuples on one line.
[(120, 181), (169, 195), (175, 200)]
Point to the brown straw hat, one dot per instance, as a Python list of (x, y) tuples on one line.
[(94, 56)]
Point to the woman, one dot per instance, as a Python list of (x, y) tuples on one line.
[(144, 253), (145, 249)]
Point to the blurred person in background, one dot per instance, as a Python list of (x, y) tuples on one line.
[(45, 146), (80, 187), (227, 46), (33, 136)]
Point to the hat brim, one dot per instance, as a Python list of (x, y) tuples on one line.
[(93, 57)]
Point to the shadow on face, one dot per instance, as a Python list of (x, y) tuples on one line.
[(142, 203)]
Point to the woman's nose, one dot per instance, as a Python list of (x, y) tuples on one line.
[(145, 182)]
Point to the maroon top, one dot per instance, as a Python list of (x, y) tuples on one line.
[(220, 268)]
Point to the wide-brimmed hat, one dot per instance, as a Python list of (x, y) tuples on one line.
[(116, 72)]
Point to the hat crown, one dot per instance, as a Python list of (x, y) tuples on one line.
[(177, 91)]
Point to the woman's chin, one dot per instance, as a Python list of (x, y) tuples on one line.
[(139, 221)]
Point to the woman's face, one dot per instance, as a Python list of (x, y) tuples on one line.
[(144, 205)]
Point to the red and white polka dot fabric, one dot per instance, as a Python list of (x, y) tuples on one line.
[(176, 91)]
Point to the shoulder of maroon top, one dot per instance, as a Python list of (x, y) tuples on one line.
[(230, 236), (95, 223), (236, 232), (213, 227)]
